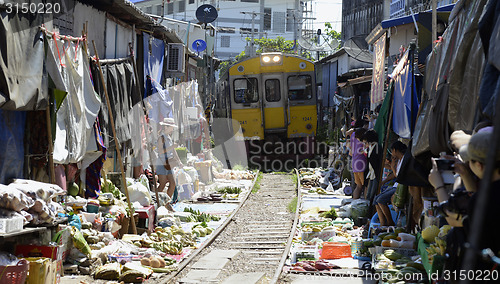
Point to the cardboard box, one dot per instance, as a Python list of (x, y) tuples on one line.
[(53, 252), (42, 270)]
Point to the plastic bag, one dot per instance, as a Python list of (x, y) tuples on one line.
[(139, 193), (359, 208), (79, 241), (35, 189), (11, 198)]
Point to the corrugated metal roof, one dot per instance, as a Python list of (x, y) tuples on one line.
[(127, 12)]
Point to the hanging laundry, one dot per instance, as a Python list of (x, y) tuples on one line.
[(22, 86), (158, 102), (123, 93), (12, 141), (154, 54), (93, 172), (405, 97), (68, 67)]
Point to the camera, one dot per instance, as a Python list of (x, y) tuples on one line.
[(445, 164)]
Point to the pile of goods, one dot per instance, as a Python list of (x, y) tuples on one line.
[(394, 266), (313, 265), (436, 237)]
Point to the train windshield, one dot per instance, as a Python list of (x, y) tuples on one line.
[(300, 87), (273, 90), (246, 90)]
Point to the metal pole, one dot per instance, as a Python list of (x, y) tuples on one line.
[(117, 145), (252, 45)]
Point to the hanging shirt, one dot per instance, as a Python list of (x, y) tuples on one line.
[(358, 156)]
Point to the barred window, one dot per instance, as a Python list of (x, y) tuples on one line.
[(279, 22), (225, 41), (267, 18)]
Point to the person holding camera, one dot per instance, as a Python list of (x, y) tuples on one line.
[(458, 207)]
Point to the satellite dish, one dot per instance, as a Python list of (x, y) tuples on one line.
[(199, 45), (206, 13)]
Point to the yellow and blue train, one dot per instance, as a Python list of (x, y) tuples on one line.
[(272, 96)]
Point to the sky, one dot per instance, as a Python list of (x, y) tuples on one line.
[(324, 11), (328, 11)]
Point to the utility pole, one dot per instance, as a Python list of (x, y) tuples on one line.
[(252, 43)]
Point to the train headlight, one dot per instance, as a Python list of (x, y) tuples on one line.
[(309, 126), (276, 59), (266, 59)]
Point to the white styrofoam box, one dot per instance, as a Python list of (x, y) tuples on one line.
[(10, 225)]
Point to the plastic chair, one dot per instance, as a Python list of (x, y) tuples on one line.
[(376, 222)]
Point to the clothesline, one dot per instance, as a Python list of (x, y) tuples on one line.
[(64, 37)]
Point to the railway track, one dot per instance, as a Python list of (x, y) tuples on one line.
[(254, 243)]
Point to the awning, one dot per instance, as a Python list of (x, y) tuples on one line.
[(408, 19), (360, 80)]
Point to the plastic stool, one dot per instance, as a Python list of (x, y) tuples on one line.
[(375, 221)]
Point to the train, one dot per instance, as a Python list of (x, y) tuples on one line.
[(272, 96)]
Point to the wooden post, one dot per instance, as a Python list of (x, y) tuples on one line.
[(386, 141), (51, 148), (117, 145)]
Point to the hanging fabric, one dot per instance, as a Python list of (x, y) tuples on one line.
[(93, 171), (405, 97), (78, 111), (123, 94), (22, 85), (12, 140), (154, 54)]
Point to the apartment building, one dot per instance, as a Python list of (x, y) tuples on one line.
[(238, 19)]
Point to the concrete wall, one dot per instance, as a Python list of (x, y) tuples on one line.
[(359, 17)]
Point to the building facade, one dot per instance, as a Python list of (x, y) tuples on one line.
[(238, 19)]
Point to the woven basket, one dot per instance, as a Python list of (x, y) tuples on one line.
[(14, 274)]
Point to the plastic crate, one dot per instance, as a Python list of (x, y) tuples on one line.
[(14, 274), (335, 250)]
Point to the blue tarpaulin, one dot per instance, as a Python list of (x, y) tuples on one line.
[(404, 93), (154, 53), (12, 126)]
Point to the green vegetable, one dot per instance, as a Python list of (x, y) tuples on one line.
[(332, 214), (229, 190)]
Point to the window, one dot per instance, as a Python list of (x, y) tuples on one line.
[(273, 90), (246, 90), (290, 19), (170, 8), (299, 87), (158, 10), (191, 1), (267, 18), (227, 30), (248, 31), (279, 22), (149, 10), (182, 6), (225, 41)]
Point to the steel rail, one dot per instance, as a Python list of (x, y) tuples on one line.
[(213, 236), (288, 246)]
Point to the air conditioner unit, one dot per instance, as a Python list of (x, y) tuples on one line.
[(175, 57)]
